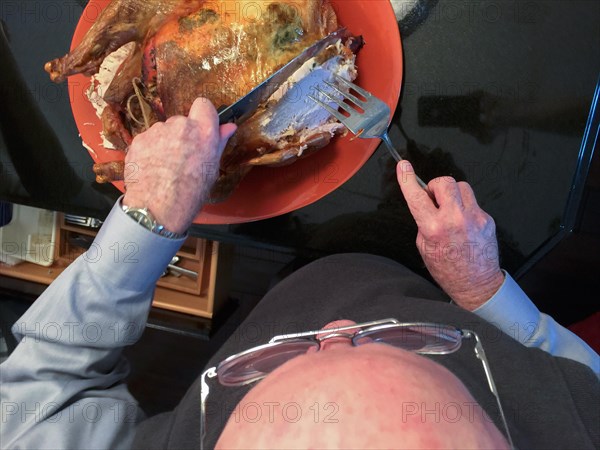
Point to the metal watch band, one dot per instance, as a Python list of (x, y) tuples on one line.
[(161, 230), (143, 217)]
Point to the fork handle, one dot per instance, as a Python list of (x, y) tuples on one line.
[(386, 139)]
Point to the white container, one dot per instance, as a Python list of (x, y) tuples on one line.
[(30, 236)]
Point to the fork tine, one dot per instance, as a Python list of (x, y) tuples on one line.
[(358, 89), (334, 112), (347, 95), (340, 103)]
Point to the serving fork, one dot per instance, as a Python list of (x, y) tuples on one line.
[(368, 118)]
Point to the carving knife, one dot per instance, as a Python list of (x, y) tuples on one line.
[(245, 106)]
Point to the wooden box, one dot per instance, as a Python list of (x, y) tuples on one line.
[(201, 296)]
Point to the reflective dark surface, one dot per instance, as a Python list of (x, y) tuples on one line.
[(495, 93)]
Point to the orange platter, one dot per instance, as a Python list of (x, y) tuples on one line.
[(268, 192)]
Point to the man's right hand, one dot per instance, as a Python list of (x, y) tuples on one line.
[(456, 238)]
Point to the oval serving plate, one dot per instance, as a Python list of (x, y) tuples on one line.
[(268, 192)]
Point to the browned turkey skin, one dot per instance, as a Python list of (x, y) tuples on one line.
[(122, 21)]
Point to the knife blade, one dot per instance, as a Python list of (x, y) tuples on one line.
[(243, 108)]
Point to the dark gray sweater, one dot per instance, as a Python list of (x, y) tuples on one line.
[(549, 402)]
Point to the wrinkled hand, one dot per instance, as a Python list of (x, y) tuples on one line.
[(171, 167), (456, 239)]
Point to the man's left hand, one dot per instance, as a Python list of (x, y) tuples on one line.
[(171, 167)]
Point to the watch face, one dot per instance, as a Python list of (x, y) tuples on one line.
[(141, 218)]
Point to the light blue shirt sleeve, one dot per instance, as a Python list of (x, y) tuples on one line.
[(514, 313), (63, 385)]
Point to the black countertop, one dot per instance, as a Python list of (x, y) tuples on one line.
[(500, 94)]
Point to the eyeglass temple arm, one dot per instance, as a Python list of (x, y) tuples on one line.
[(204, 389), (480, 353)]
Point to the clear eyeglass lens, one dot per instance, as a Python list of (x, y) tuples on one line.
[(257, 364), (428, 339)]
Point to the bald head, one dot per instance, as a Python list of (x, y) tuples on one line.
[(372, 396)]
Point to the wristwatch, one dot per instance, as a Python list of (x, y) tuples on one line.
[(147, 220)]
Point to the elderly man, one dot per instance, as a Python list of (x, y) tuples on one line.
[(397, 366)]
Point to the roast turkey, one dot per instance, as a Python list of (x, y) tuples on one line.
[(172, 51)]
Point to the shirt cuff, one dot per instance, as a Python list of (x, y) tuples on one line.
[(511, 310), (133, 255), (514, 313)]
